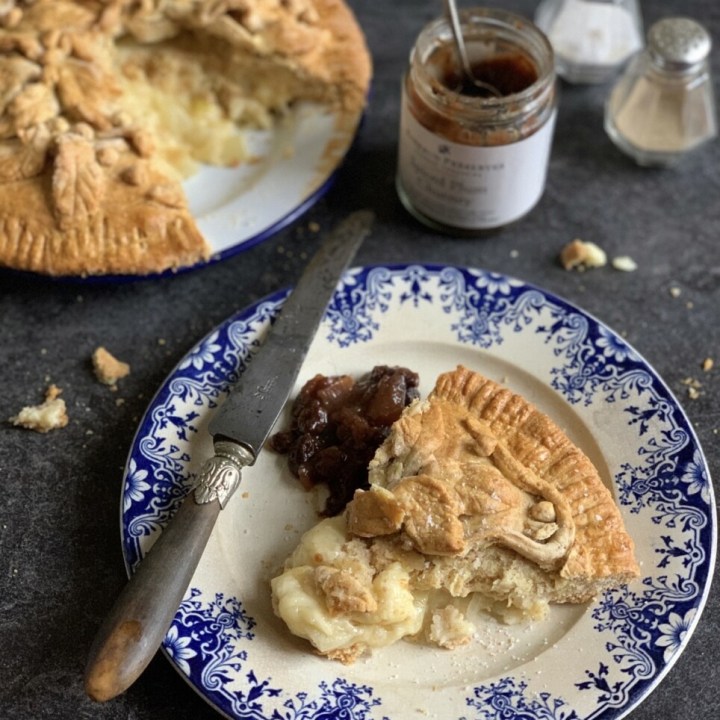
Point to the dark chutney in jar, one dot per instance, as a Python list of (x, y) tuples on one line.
[(508, 74)]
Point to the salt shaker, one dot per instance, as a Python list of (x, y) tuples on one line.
[(592, 39), (663, 106)]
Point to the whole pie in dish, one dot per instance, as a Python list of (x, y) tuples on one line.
[(107, 105), (475, 496)]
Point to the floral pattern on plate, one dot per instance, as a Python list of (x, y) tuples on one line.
[(604, 662)]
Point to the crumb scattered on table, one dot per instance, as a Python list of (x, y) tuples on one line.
[(582, 255), (49, 415), (675, 291), (693, 387), (624, 263), (108, 369), (708, 364)]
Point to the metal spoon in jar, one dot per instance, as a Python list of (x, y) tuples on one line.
[(453, 17)]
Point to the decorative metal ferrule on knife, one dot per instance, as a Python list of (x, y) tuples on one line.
[(220, 475)]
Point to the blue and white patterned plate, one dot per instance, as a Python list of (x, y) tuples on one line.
[(592, 661)]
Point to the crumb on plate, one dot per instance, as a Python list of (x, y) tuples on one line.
[(449, 628)]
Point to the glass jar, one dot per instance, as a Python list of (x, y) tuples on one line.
[(592, 39), (469, 161), (663, 106)]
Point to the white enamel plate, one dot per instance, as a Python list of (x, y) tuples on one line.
[(590, 661), (236, 208)]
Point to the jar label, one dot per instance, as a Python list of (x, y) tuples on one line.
[(469, 186)]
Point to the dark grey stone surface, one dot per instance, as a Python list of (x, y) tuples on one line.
[(60, 559)]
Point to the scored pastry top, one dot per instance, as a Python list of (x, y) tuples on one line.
[(477, 465)]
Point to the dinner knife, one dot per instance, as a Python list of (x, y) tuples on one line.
[(135, 627)]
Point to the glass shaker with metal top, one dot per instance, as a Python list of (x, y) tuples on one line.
[(663, 106), (592, 39)]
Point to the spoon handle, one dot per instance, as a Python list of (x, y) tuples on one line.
[(453, 16), (142, 614)]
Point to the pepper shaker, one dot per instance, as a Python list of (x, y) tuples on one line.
[(663, 106), (592, 39)]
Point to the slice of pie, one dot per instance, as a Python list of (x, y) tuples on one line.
[(106, 106), (475, 494)]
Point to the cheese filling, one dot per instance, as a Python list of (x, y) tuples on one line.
[(332, 596), (347, 597)]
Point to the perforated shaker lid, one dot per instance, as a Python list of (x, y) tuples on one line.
[(678, 43)]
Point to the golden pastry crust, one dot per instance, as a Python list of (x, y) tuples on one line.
[(85, 186), (478, 471), (581, 255)]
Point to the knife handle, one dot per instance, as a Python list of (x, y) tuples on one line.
[(142, 614)]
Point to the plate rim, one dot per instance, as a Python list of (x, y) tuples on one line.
[(644, 687)]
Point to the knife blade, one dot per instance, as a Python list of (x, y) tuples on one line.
[(141, 616), (262, 390)]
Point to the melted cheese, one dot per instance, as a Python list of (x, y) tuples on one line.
[(174, 100), (327, 619), (347, 596)]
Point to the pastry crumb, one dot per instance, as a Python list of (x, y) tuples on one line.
[(675, 291), (582, 255), (691, 382), (108, 369), (624, 263), (49, 415), (708, 364), (449, 628), (693, 387)]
